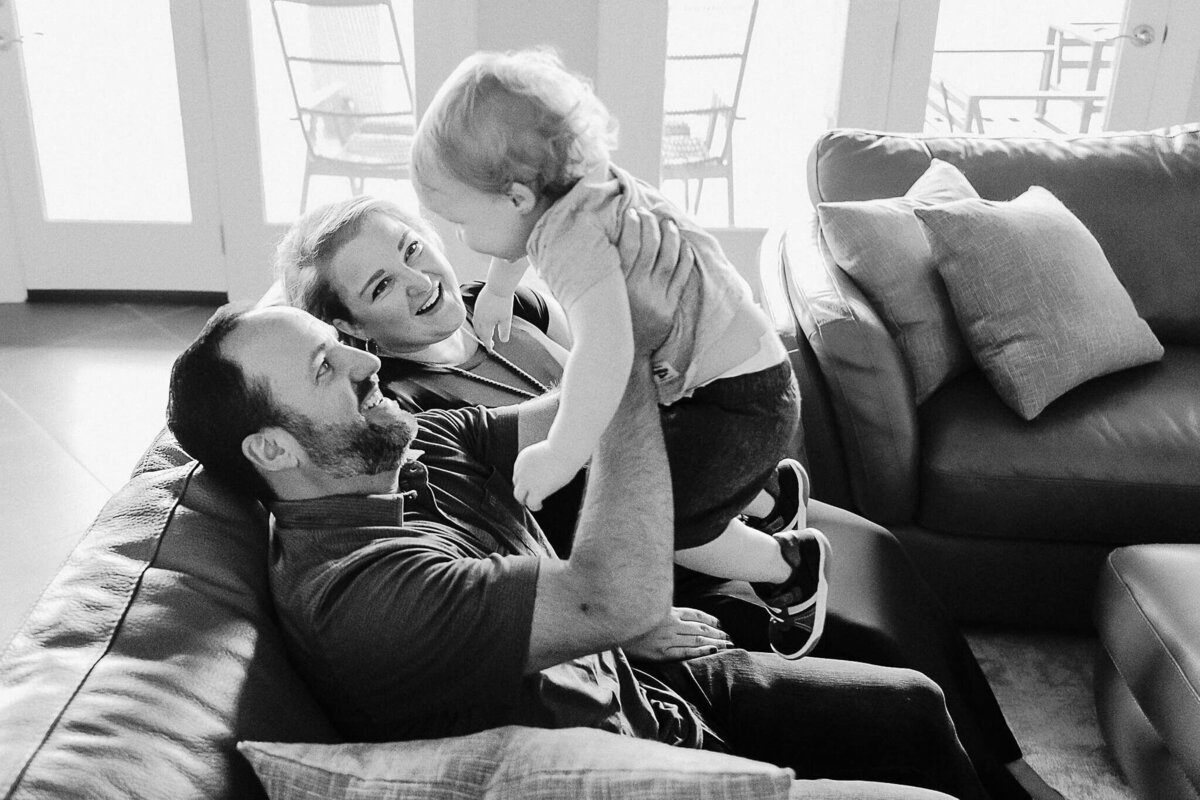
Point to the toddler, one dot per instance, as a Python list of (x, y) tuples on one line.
[(514, 152)]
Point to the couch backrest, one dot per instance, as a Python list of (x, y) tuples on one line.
[(1138, 193), (153, 651)]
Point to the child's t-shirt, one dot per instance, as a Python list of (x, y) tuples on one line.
[(698, 323)]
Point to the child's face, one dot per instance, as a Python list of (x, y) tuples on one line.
[(491, 223)]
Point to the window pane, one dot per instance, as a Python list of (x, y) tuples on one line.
[(356, 117), (985, 52), (105, 108), (713, 133)]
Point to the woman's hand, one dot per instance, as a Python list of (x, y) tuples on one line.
[(683, 633)]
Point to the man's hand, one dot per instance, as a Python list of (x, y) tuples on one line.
[(539, 472), (493, 314), (684, 633)]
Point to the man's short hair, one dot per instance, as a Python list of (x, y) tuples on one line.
[(212, 406)]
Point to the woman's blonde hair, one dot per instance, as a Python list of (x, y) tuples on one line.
[(516, 117), (303, 255)]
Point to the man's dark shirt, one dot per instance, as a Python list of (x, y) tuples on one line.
[(409, 615)]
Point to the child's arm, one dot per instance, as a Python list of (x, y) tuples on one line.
[(592, 385), (494, 305)]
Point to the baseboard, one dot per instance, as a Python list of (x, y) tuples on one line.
[(127, 296)]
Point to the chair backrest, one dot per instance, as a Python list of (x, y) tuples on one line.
[(708, 42), (347, 71)]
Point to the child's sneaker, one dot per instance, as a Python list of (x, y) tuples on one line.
[(791, 503), (797, 606)]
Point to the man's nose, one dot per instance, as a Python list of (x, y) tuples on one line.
[(359, 363)]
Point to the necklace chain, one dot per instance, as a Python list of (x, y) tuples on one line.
[(513, 368), (496, 384)]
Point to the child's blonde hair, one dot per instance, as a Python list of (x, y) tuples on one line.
[(516, 117)]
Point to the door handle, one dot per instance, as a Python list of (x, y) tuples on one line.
[(1142, 35)]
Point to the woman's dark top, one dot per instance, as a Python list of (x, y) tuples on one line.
[(419, 387)]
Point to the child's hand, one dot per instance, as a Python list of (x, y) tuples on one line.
[(493, 313), (539, 472)]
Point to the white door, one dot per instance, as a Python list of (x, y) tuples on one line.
[(894, 46), (1156, 65), (107, 147)]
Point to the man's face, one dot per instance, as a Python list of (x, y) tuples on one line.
[(328, 390)]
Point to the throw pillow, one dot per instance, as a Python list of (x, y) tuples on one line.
[(882, 247), (1035, 297), (509, 762)]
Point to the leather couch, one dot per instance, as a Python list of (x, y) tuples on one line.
[(1148, 667), (155, 650), (1010, 520)]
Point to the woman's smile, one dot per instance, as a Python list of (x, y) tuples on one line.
[(435, 297)]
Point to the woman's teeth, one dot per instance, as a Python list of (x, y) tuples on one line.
[(433, 298)]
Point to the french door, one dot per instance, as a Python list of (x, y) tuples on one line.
[(148, 146), (107, 146)]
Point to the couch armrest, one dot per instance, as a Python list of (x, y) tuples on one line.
[(868, 383)]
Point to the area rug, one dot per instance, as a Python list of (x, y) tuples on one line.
[(1044, 684)]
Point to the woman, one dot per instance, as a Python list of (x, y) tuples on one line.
[(377, 273)]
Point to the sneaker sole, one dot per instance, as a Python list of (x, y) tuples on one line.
[(818, 604), (800, 520)]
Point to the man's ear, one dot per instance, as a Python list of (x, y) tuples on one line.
[(521, 196), (350, 329), (271, 450)]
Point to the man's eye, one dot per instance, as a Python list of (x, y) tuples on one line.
[(412, 250), (380, 288), (324, 369)]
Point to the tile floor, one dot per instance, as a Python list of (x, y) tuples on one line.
[(83, 389)]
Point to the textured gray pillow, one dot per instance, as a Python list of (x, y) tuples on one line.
[(882, 247), (1035, 297), (511, 762)]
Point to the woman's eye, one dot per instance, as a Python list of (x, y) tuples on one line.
[(324, 369), (380, 288), (412, 250)]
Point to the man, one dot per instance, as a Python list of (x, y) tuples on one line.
[(420, 599)]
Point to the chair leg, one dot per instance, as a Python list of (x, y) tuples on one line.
[(729, 184), (304, 190), (699, 189)]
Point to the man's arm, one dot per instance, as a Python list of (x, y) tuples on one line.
[(617, 583)]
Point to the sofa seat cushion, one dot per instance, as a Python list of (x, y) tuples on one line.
[(1147, 614), (1111, 462)]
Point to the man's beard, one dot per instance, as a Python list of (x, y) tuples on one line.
[(351, 449)]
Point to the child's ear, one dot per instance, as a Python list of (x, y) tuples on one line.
[(521, 196)]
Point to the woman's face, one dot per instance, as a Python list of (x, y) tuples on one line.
[(398, 285)]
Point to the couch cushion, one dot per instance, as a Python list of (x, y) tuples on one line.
[(1034, 296), (882, 246), (153, 651), (1148, 620), (1110, 462), (513, 761), (1151, 237)]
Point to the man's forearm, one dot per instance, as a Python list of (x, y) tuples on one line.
[(625, 531)]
